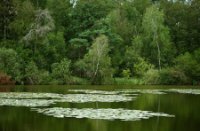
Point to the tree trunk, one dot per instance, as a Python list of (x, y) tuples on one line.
[(97, 68), (4, 28), (157, 44), (158, 48), (159, 57)]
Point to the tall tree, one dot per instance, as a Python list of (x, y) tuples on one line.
[(156, 36), (24, 17), (60, 13), (97, 63), (81, 30), (7, 13), (183, 20), (42, 25)]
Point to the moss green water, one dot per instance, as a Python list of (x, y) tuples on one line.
[(99, 108)]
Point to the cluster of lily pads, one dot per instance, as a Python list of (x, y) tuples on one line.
[(74, 98), (123, 92), (140, 91), (26, 102), (40, 102), (104, 114)]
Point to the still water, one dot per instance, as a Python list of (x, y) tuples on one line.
[(99, 108)]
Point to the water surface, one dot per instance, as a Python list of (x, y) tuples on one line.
[(99, 108)]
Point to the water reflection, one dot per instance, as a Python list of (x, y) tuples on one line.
[(184, 106)]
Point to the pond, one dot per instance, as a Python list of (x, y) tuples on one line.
[(99, 108)]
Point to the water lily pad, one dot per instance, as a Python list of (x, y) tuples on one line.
[(29, 95), (75, 98), (122, 92), (37, 100), (26, 102), (185, 91), (82, 98), (104, 114), (144, 91), (95, 92)]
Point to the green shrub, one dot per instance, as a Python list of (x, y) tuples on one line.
[(61, 72), (190, 65), (151, 77), (126, 73), (9, 63), (172, 76), (44, 77), (34, 76), (141, 67), (31, 73), (168, 76)]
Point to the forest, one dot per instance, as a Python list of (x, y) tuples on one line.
[(100, 42)]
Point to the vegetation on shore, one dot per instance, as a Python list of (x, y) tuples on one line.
[(100, 42)]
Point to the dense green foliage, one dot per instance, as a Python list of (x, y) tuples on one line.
[(94, 41)]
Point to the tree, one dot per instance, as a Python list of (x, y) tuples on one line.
[(40, 28), (7, 13), (97, 63), (133, 54), (22, 22), (156, 36), (183, 20), (9, 63), (121, 25), (82, 25), (125, 20), (37, 37), (189, 63), (61, 71), (39, 3), (52, 50), (32, 73), (60, 13)]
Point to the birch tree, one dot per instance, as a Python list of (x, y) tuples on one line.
[(97, 62), (156, 34)]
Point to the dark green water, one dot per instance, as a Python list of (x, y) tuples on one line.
[(185, 107)]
